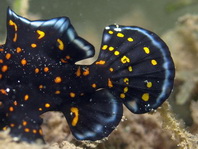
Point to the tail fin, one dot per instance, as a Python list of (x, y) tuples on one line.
[(93, 116), (141, 70)]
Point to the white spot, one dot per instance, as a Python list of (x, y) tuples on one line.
[(7, 89), (107, 27)]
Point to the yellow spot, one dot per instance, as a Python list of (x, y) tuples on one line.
[(58, 80), (11, 109), (145, 97), (5, 128), (101, 62), (4, 68), (78, 72), (111, 48), (126, 89), (8, 56), (57, 92), (18, 49), (34, 131), (26, 97), (130, 39), (61, 45), (23, 62), (72, 95), (111, 69), (27, 130), (40, 109), (1, 61), (153, 62), (46, 69), (130, 68), (40, 33), (24, 123), (13, 24), (33, 45), (120, 35), (116, 53), (75, 111), (110, 84), (146, 50), (149, 84), (125, 59), (126, 80), (104, 47), (110, 32), (122, 95), (93, 85), (47, 105), (36, 70), (86, 72), (12, 125)]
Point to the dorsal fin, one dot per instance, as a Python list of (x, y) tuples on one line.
[(56, 36)]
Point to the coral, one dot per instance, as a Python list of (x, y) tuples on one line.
[(186, 139)]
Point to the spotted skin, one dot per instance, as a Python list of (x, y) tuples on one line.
[(38, 74)]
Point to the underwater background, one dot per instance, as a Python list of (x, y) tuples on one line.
[(175, 124)]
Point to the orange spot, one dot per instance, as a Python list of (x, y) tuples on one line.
[(67, 57), (57, 92), (78, 72), (23, 62), (1, 61), (36, 70), (12, 125), (72, 95), (41, 86), (40, 109), (27, 130), (93, 85), (15, 103), (40, 131), (18, 49), (24, 123), (11, 23), (46, 69), (86, 72), (8, 56), (1, 49), (26, 97), (110, 84), (101, 62), (1, 76), (63, 61), (2, 91), (15, 37), (33, 45), (47, 105), (111, 69), (34, 131), (11, 109), (58, 80), (4, 68)]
